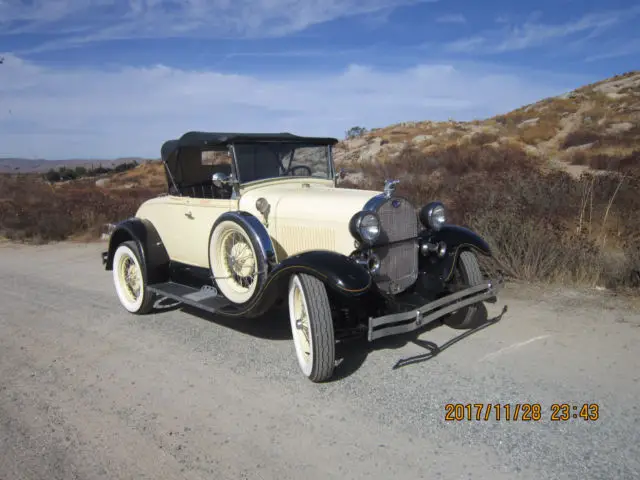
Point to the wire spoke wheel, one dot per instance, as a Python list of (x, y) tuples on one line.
[(239, 259), (301, 316), (131, 277), (128, 279), (237, 268)]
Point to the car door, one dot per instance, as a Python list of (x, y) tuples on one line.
[(199, 216)]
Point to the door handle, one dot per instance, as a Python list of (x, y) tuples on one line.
[(188, 214)]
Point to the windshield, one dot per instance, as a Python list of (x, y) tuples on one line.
[(259, 161)]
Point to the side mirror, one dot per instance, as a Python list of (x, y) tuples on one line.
[(220, 179)]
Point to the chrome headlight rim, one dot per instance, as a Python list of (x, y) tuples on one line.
[(367, 234), (433, 215)]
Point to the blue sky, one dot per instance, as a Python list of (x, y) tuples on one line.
[(100, 79)]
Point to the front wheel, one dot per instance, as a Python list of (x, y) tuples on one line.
[(312, 327), (467, 274)]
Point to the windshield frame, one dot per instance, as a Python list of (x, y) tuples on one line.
[(238, 173)]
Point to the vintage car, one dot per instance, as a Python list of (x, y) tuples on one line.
[(252, 221)]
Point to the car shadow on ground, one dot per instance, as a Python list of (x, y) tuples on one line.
[(271, 326), (350, 354), (355, 352)]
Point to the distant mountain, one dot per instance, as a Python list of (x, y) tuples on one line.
[(28, 165)]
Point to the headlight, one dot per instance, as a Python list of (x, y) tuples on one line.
[(365, 226), (433, 215)]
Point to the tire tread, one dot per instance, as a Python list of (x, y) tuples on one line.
[(472, 275), (322, 330)]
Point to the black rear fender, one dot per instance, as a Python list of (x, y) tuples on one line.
[(154, 255)]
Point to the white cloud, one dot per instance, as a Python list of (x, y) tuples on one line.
[(532, 33), (631, 47), (55, 113), (451, 18), (466, 44), (80, 21)]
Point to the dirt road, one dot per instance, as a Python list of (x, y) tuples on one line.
[(89, 391)]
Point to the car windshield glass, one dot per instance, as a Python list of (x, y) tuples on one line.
[(259, 161)]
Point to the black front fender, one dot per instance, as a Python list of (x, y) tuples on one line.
[(335, 270), (457, 238), (338, 272), (154, 255)]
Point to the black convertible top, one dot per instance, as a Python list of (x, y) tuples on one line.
[(204, 140)]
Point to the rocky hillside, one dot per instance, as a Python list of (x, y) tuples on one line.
[(596, 127)]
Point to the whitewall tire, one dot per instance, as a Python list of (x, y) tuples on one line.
[(312, 327), (238, 270), (128, 279)]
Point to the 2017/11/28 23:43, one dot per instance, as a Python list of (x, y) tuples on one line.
[(525, 412)]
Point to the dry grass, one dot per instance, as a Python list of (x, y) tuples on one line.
[(31, 210), (542, 131), (620, 161), (149, 175)]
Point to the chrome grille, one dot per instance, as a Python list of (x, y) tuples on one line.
[(398, 262)]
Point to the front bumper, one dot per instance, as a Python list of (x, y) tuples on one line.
[(392, 324)]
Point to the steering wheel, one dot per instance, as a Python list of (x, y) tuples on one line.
[(276, 156), (292, 169)]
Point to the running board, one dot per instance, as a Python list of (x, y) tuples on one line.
[(206, 298)]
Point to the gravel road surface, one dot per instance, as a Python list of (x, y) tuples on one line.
[(89, 391)]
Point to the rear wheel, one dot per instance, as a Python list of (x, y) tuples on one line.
[(312, 327), (128, 278), (467, 275)]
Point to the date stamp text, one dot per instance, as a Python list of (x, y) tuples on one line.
[(520, 412)]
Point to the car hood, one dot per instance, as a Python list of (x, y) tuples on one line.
[(308, 216)]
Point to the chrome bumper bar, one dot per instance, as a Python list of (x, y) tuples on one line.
[(432, 310)]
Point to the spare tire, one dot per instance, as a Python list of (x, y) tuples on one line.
[(236, 260)]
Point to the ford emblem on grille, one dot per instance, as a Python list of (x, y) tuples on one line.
[(395, 203)]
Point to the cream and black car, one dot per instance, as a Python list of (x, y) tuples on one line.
[(252, 221)]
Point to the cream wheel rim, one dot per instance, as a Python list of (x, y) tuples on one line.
[(238, 260), (130, 278), (234, 263), (300, 325)]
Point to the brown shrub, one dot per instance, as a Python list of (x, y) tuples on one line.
[(482, 138), (34, 211), (544, 227), (529, 248), (578, 157), (613, 161), (544, 130), (581, 137)]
